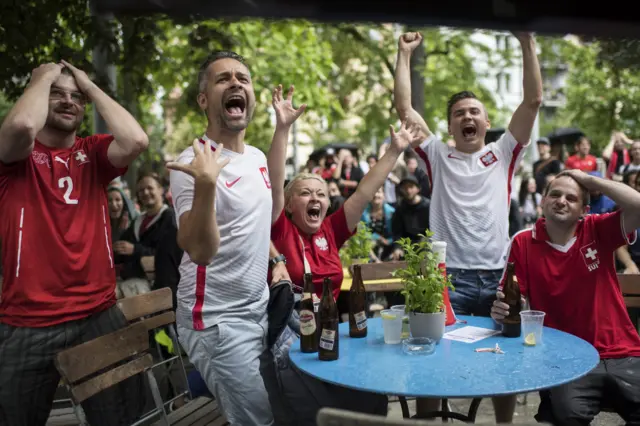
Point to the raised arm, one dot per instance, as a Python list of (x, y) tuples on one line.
[(525, 115), (402, 84), (28, 116), (286, 114), (129, 138), (372, 181), (623, 195), (198, 232)]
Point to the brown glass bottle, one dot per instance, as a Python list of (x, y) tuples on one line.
[(511, 290), (328, 348), (357, 305), (308, 323)]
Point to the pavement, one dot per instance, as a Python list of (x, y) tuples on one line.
[(524, 411)]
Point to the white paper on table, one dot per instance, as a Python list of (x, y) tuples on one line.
[(470, 334)]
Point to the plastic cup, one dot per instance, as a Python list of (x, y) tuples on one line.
[(392, 326), (532, 326), (398, 308)]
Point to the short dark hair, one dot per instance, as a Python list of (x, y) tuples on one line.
[(214, 56), (457, 97), (152, 175), (586, 198)]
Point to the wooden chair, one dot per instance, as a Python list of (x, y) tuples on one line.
[(94, 366), (149, 267), (380, 271)]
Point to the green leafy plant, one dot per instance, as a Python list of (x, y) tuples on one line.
[(358, 247), (423, 280)]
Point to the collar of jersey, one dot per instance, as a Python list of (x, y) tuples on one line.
[(214, 146)]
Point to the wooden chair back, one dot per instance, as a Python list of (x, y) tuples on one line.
[(149, 266), (630, 287), (96, 365), (380, 271), (153, 309)]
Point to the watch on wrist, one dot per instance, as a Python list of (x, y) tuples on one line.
[(279, 258)]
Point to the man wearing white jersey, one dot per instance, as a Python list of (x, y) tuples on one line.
[(224, 228), (471, 181)]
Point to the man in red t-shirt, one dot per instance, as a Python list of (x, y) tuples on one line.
[(582, 160), (59, 278), (565, 267)]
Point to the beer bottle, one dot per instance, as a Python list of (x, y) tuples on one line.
[(328, 349), (511, 290), (308, 324), (357, 301)]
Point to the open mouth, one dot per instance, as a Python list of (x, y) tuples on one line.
[(469, 131), (235, 105), (313, 212)]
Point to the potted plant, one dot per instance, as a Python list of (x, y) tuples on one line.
[(358, 248), (424, 286)]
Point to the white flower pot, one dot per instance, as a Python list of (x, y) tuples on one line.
[(427, 325)]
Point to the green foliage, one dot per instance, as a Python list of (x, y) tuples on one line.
[(358, 247), (423, 280)]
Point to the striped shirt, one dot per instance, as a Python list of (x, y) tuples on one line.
[(233, 287), (470, 200)]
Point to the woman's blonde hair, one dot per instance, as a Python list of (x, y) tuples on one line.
[(288, 190)]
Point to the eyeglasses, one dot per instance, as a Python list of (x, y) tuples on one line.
[(59, 94)]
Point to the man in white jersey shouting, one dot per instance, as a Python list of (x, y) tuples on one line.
[(471, 182), (224, 228)]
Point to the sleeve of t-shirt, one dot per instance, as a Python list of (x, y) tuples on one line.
[(429, 151), (516, 255), (338, 223), (99, 145), (281, 227), (609, 229), (182, 187), (510, 150)]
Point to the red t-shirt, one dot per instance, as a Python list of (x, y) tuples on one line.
[(56, 236), (586, 164), (576, 285), (321, 249)]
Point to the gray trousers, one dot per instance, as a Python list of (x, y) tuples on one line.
[(29, 379)]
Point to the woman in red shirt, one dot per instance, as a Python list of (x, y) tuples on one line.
[(299, 222)]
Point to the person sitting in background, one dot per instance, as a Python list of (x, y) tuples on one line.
[(616, 154), (336, 200), (413, 169), (141, 239), (310, 240), (634, 164), (377, 216), (582, 160), (347, 173), (122, 212), (564, 267), (630, 179), (547, 164), (411, 217), (529, 201)]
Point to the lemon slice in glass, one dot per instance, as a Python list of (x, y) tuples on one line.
[(530, 339), (388, 316)]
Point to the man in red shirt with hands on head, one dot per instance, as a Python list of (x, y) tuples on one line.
[(565, 267), (59, 277)]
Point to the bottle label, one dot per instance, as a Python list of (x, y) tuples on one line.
[(327, 339), (361, 320), (316, 302), (306, 296), (307, 322)]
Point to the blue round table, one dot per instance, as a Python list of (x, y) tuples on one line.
[(454, 370)]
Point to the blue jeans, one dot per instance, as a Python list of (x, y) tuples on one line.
[(475, 290)]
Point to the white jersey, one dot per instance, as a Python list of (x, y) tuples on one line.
[(233, 287), (470, 199)]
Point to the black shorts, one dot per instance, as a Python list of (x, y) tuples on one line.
[(29, 379), (614, 383)]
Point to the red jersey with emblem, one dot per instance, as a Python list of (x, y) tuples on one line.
[(587, 164), (321, 250), (55, 232), (576, 284)]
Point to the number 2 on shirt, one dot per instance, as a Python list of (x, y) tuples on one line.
[(67, 184)]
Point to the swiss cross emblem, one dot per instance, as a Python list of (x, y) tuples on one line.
[(590, 256), (80, 157), (488, 159), (265, 177)]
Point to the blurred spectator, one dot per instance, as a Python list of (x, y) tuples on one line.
[(336, 200), (372, 159), (634, 164), (413, 169), (411, 217), (546, 165), (529, 201), (378, 216), (616, 154), (122, 211), (630, 179), (582, 160), (347, 172)]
